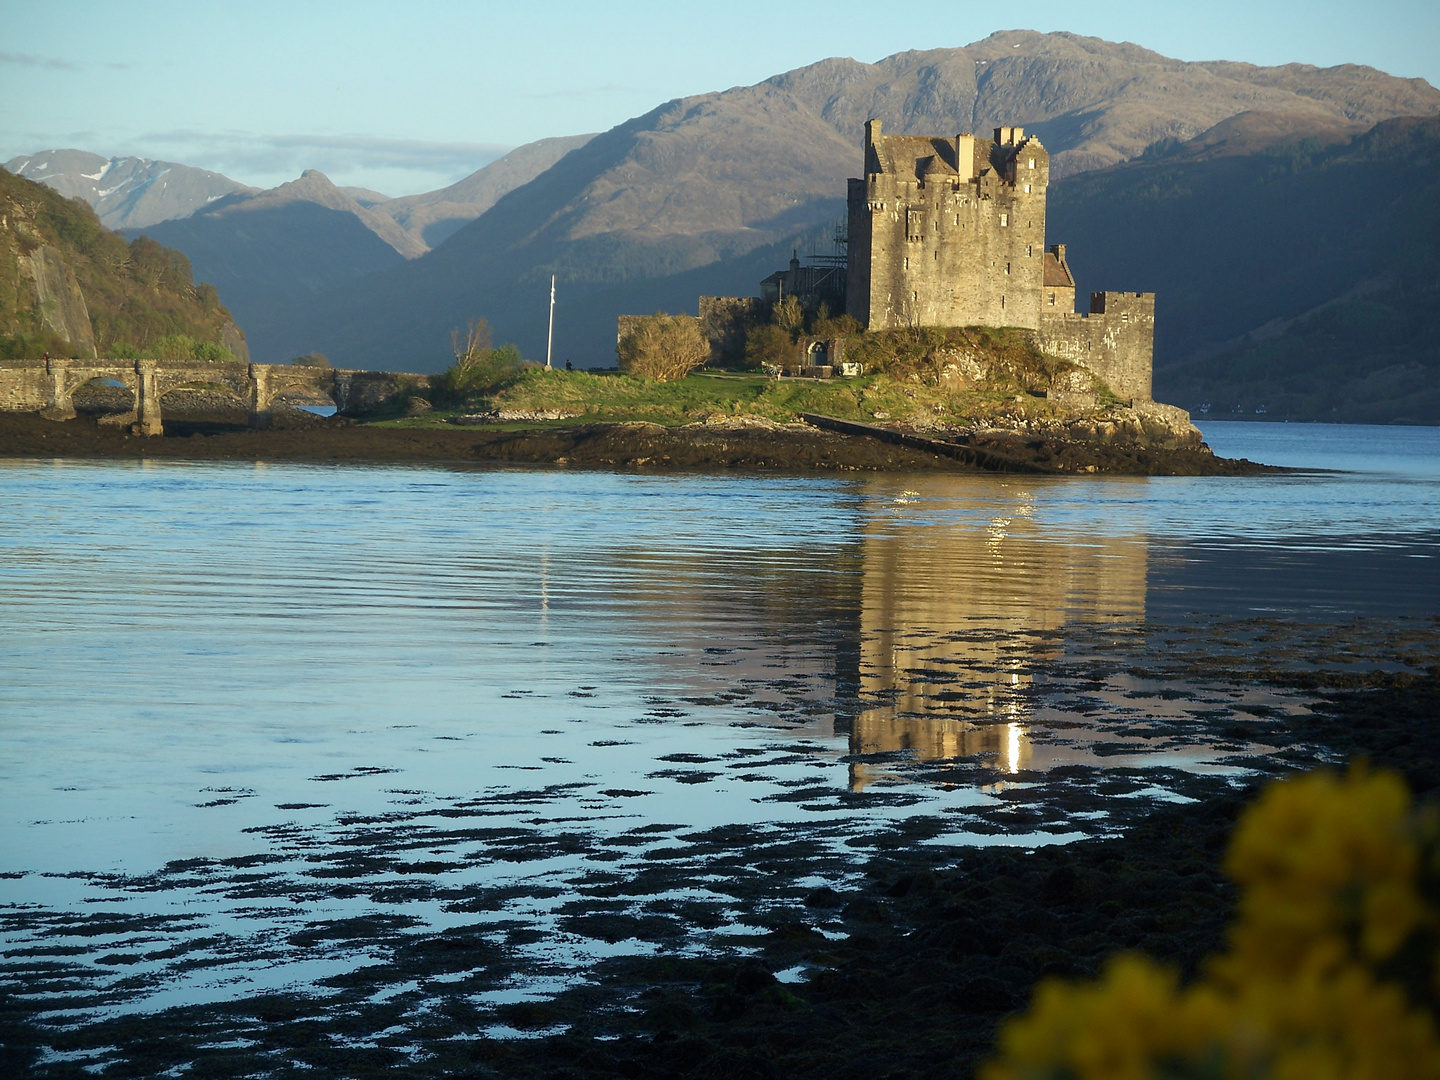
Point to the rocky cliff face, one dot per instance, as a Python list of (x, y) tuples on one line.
[(59, 302)]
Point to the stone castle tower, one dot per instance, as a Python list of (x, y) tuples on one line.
[(951, 232)]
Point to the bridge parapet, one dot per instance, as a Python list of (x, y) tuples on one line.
[(48, 387)]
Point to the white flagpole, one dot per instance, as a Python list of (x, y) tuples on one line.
[(550, 342)]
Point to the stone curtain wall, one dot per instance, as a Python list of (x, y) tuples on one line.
[(725, 320), (1116, 340)]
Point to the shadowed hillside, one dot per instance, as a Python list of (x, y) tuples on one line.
[(436, 215), (1301, 278), (292, 243), (710, 181)]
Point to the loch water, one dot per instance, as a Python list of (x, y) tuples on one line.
[(239, 700)]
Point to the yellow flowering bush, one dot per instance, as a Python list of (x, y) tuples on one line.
[(1331, 966)]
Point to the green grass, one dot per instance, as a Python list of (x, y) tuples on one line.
[(914, 378), (706, 395)]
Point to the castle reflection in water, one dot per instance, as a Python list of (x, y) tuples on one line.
[(920, 627), (956, 618)]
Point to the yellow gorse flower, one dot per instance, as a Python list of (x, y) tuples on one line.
[(1330, 869), (1328, 865)]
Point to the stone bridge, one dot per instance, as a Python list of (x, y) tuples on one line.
[(48, 386)]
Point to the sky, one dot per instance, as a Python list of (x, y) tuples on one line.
[(409, 97)]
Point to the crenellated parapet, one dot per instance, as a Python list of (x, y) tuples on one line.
[(1115, 341)]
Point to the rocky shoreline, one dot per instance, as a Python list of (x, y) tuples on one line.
[(726, 442), (935, 946)]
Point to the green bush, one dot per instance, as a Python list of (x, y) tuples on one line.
[(479, 368), (663, 347), (24, 346), (184, 347)]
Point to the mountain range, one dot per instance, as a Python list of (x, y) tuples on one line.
[(713, 190), (1301, 278), (1154, 158)]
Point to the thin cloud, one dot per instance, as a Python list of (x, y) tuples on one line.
[(265, 159), (30, 61), (270, 153)]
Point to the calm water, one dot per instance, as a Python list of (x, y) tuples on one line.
[(222, 681)]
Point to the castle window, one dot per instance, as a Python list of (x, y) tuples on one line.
[(1124, 316), (1028, 250), (1032, 165), (1002, 303), (1004, 220), (1052, 299), (1007, 268), (907, 262), (914, 224), (1027, 189)]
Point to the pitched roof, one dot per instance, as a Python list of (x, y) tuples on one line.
[(1057, 274)]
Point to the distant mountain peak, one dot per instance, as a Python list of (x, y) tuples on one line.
[(122, 190)]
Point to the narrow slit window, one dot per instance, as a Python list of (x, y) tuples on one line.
[(1004, 220), (1032, 165), (1029, 250), (1007, 268), (1027, 189), (907, 262)]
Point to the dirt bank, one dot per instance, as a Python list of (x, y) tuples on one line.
[(298, 436)]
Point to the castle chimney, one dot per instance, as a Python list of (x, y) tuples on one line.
[(965, 156), (872, 136)]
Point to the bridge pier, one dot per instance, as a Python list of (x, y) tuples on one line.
[(61, 405), (259, 396), (147, 400)]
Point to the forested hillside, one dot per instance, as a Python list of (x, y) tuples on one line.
[(71, 287)]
